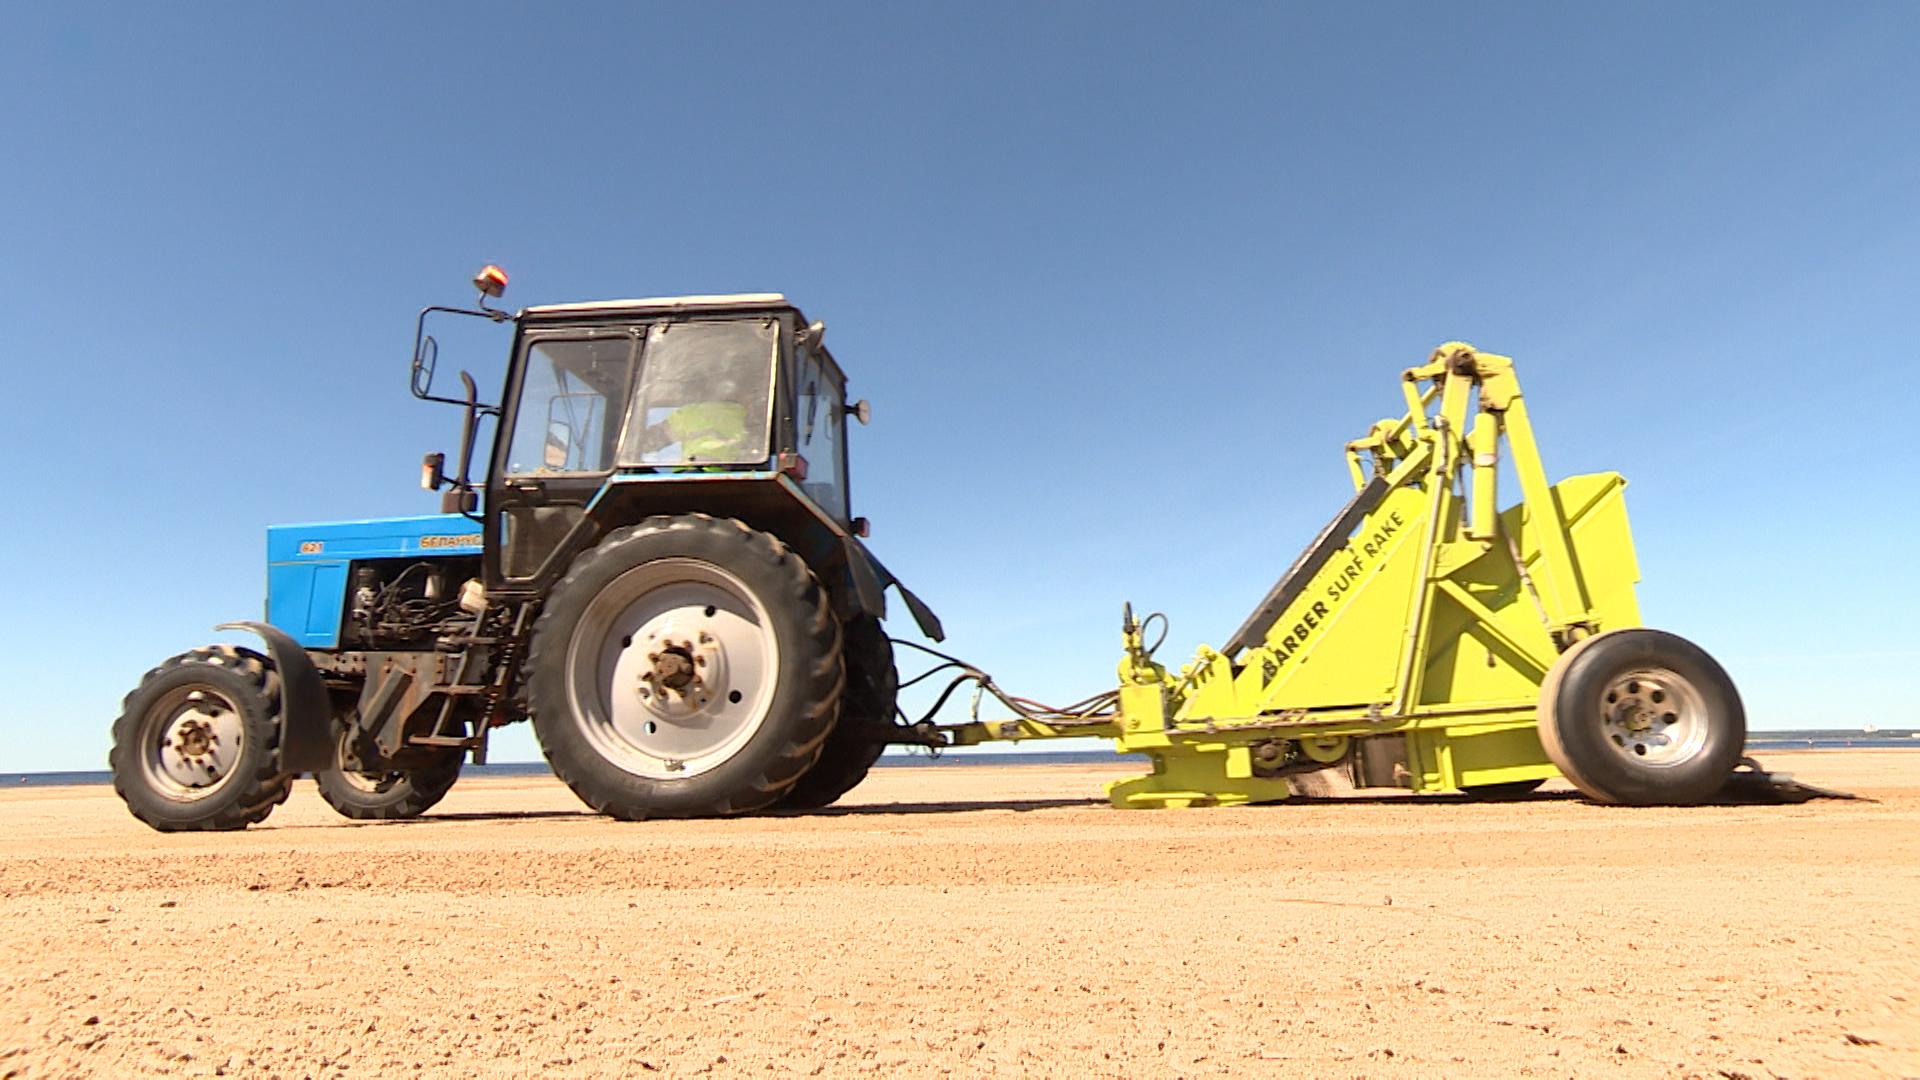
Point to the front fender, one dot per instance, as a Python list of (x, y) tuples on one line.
[(307, 744)]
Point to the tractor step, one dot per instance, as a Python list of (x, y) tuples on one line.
[(441, 740)]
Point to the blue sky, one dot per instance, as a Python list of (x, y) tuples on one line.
[(1119, 279)]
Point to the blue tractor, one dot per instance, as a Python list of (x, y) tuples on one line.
[(660, 570)]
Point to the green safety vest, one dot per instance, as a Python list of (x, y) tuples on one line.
[(709, 430)]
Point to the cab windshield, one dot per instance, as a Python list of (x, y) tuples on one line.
[(703, 395), (667, 394)]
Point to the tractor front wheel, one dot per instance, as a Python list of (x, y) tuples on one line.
[(194, 747), (1642, 718), (687, 666)]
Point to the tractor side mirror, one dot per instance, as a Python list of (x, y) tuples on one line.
[(425, 352), (862, 411)]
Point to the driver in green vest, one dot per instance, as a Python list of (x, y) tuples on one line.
[(710, 430), (707, 431)]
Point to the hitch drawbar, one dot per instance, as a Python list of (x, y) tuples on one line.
[(1430, 640)]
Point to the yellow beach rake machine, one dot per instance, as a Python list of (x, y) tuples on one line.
[(1428, 640)]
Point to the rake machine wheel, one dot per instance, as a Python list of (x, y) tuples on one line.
[(866, 708), (194, 747), (688, 666), (1642, 718)]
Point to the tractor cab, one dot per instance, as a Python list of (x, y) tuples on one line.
[(617, 411)]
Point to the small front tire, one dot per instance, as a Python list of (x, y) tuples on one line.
[(195, 745)]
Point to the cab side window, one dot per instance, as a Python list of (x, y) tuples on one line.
[(819, 419), (567, 410)]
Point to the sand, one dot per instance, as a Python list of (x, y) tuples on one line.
[(974, 921)]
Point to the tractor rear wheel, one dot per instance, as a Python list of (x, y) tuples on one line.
[(866, 712), (687, 666), (194, 747), (1642, 718)]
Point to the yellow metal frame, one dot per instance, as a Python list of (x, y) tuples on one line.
[(1410, 642)]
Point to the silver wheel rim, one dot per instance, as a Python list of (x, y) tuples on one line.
[(671, 669), (1654, 717), (192, 741), (366, 783), (377, 783)]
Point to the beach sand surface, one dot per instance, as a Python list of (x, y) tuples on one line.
[(974, 921)]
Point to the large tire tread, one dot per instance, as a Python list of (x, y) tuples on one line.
[(873, 685)]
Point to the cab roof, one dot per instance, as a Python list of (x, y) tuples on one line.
[(656, 305), (596, 310)]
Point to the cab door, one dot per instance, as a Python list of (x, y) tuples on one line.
[(558, 447)]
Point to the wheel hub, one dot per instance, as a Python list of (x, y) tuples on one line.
[(673, 668), (1654, 717), (687, 668), (195, 737), (198, 745)]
